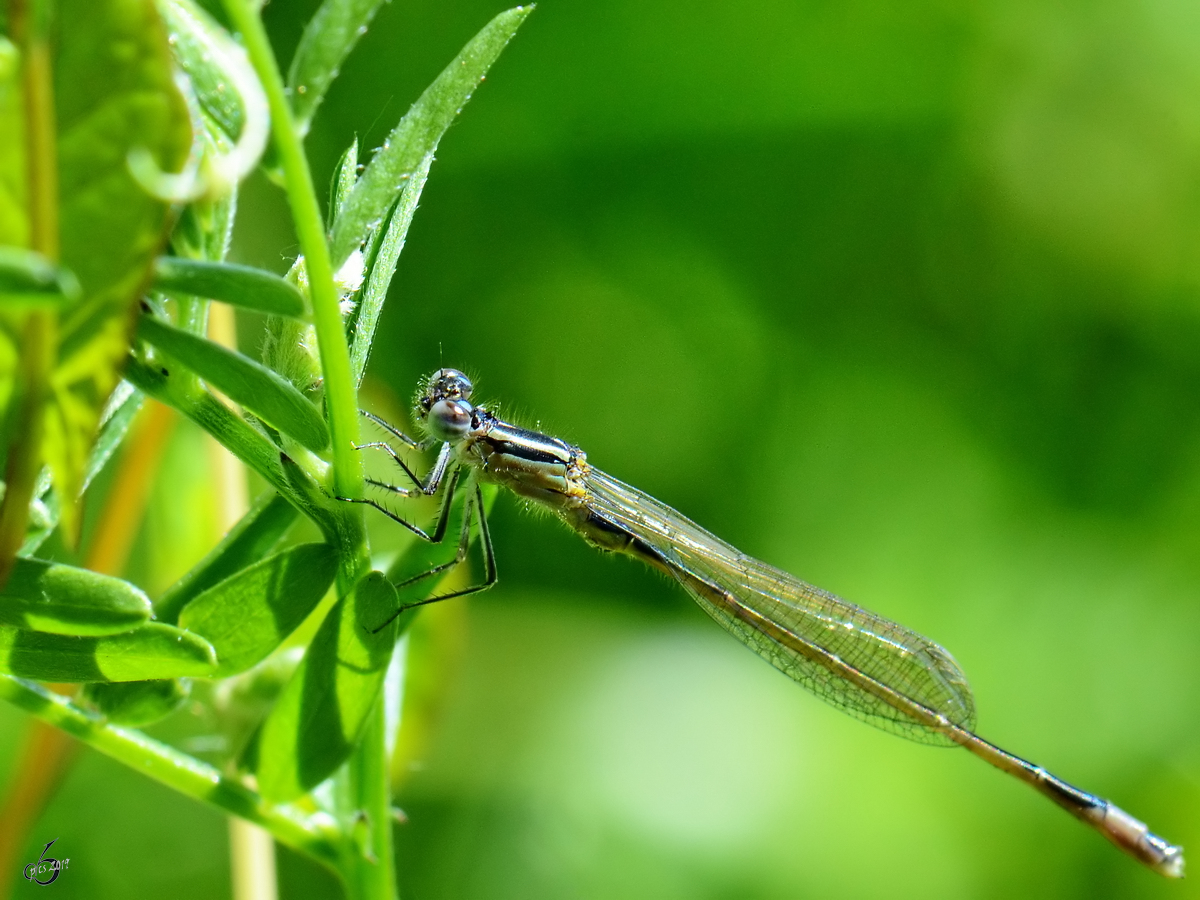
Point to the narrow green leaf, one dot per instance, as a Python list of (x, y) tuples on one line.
[(149, 652), (114, 93), (251, 384), (306, 492), (345, 176), (138, 703), (233, 432), (195, 41), (248, 615), (123, 407), (242, 286), (383, 267), (418, 133), (323, 710), (61, 599), (43, 517), (207, 56), (327, 40), (28, 277), (252, 538)]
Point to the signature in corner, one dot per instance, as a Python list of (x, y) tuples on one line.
[(45, 865)]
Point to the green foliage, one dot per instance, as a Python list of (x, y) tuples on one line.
[(324, 709), (328, 38), (124, 404), (418, 133), (896, 296), (239, 617), (14, 225), (237, 435), (248, 615), (345, 174), (899, 297), (111, 229), (114, 93), (61, 599), (150, 651), (196, 41), (242, 286), (137, 703), (382, 258), (256, 387), (29, 278), (115, 421), (254, 536)]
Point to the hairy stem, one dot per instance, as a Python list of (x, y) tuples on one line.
[(368, 871), (310, 231)]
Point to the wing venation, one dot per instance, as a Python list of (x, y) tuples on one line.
[(905, 662)]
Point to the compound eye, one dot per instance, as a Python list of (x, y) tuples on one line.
[(451, 384), (450, 420), (456, 384)]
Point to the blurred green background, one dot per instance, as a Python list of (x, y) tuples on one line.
[(902, 297)]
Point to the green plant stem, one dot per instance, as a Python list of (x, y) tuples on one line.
[(306, 834), (371, 874), (340, 396), (368, 872), (30, 22), (38, 338)]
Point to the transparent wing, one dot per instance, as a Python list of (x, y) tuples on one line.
[(868, 666)]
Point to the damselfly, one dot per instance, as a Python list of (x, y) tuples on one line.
[(872, 668)]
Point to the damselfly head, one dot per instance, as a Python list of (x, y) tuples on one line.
[(444, 384), (442, 404)]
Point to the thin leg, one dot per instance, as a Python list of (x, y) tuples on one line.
[(391, 451), (393, 430), (428, 489), (429, 486), (489, 557), (464, 547), (399, 491), (439, 530), (425, 488), (489, 561)]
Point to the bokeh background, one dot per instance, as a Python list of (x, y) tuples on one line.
[(902, 297)]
